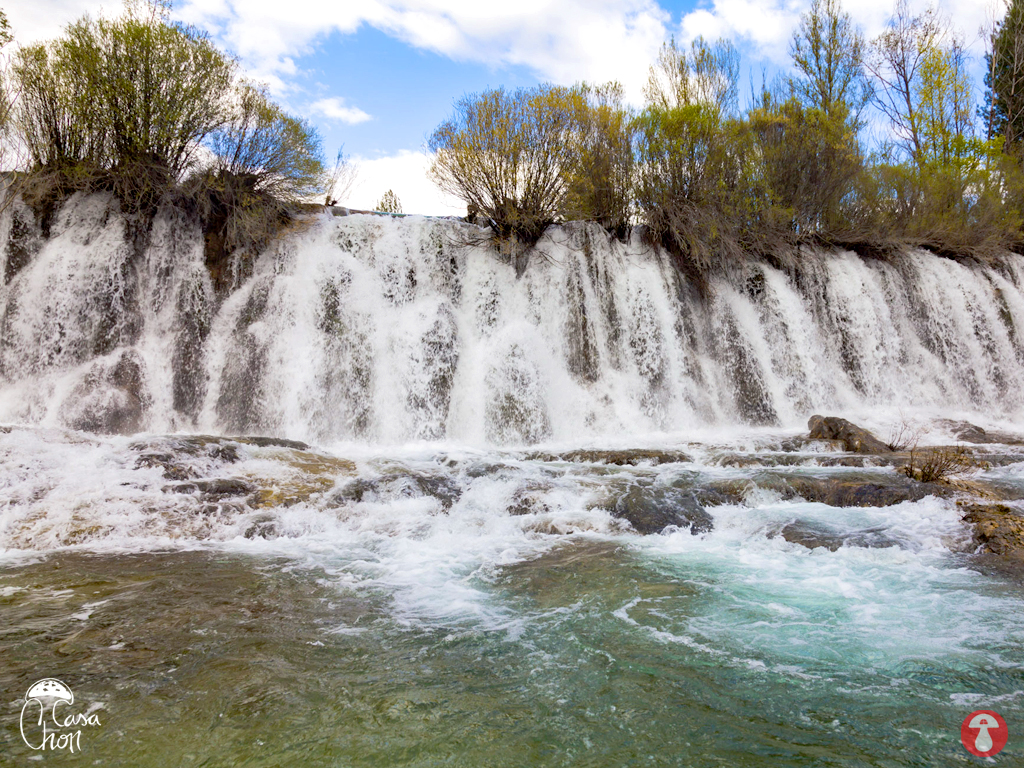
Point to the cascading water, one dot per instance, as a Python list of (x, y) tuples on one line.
[(565, 518), (383, 330)]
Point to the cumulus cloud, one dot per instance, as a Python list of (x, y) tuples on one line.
[(559, 40), (405, 173), (35, 21), (334, 108), (768, 25)]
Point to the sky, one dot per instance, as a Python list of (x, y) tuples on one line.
[(377, 76)]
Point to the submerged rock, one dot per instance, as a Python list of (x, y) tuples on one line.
[(814, 536), (972, 433), (629, 457), (998, 529), (854, 439), (653, 509)]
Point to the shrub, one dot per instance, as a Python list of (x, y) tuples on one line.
[(936, 465), (600, 180), (689, 179), (808, 161), (264, 163), (132, 97), (389, 203), (504, 153)]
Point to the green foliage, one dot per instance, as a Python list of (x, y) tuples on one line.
[(389, 203), (828, 53), (266, 150), (504, 153), (600, 178), (140, 105), (809, 159), (897, 56), (1004, 77), (707, 75), (689, 182)]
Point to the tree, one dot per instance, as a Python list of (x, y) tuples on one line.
[(895, 61), (707, 75), (133, 97), (807, 161), (268, 151), (1003, 111), (942, 94), (600, 183), (504, 153), (389, 203), (828, 52)]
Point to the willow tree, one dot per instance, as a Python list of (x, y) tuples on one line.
[(600, 180), (505, 154), (133, 96)]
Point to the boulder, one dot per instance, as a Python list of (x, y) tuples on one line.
[(998, 529), (653, 509), (854, 439)]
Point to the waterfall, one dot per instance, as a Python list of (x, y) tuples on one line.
[(382, 330)]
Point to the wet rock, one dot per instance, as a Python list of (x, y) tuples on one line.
[(263, 527), (998, 529), (854, 439), (874, 490), (529, 500), (860, 493), (630, 457), (653, 509), (972, 433), (815, 536), (272, 442), (792, 460), (110, 400), (185, 457), (214, 488), (407, 485)]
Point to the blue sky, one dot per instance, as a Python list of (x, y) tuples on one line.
[(378, 75)]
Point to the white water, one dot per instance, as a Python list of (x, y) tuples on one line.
[(384, 331)]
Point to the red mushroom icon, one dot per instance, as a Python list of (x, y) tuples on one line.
[(984, 733)]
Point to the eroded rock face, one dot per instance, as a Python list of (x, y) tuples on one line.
[(998, 529), (854, 439)]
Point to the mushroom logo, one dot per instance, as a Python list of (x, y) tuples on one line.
[(984, 733), (47, 692)]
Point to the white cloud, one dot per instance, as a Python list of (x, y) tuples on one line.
[(334, 109), (35, 21), (406, 175), (768, 25), (559, 40)]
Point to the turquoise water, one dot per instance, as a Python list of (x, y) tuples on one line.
[(394, 632)]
